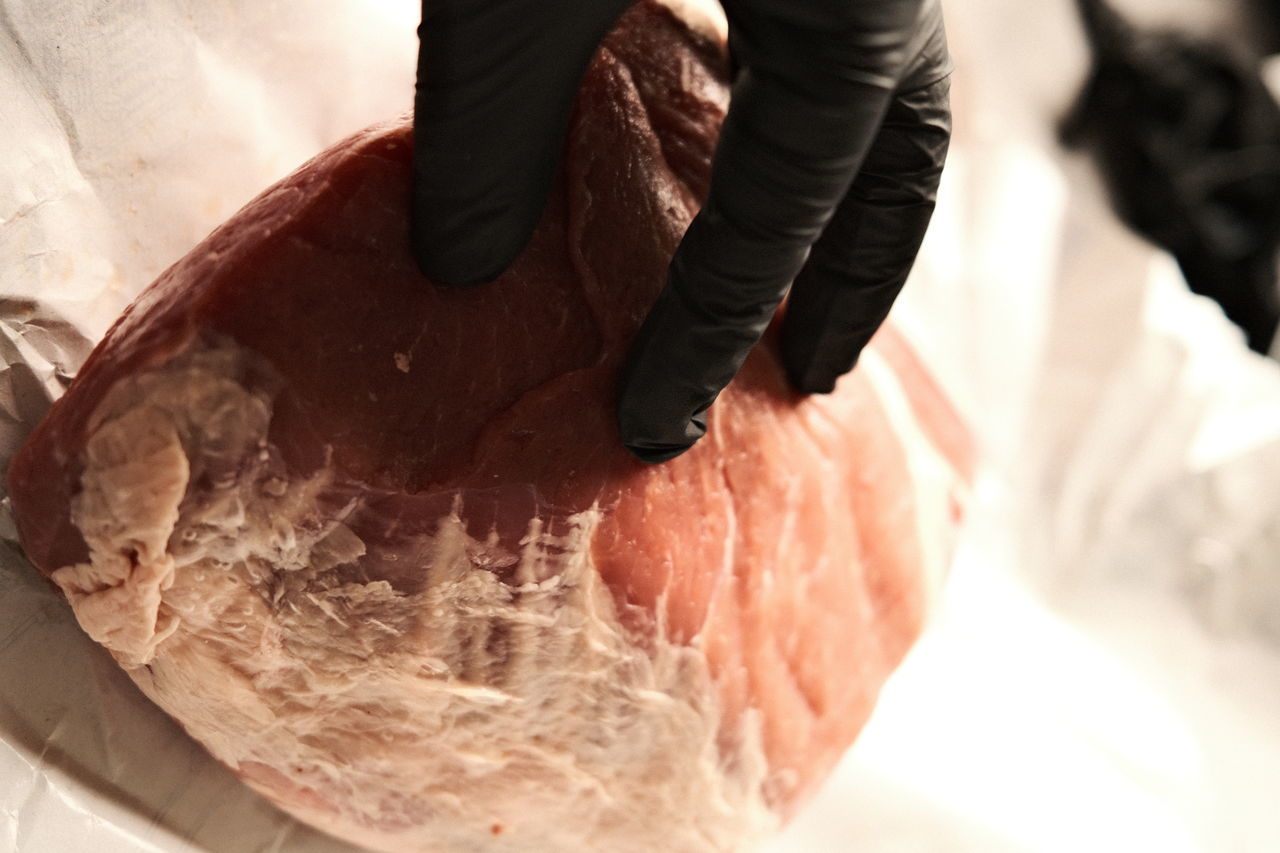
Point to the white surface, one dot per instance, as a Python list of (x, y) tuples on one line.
[(1105, 673)]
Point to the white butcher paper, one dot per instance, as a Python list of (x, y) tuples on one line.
[(1104, 673)]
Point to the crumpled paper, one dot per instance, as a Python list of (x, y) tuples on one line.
[(1104, 673)]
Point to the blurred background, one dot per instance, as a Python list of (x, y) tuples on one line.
[(1103, 671)]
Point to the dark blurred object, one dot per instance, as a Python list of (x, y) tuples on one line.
[(1188, 139), (1263, 17)]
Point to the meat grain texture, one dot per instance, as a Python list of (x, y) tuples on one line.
[(376, 545)]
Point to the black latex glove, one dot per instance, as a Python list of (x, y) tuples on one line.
[(825, 175)]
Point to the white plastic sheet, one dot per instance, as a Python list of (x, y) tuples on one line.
[(1105, 672)]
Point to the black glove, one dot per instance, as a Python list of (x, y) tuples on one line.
[(825, 175)]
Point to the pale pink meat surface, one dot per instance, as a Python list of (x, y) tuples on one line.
[(376, 545)]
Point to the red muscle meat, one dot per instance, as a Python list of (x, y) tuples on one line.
[(376, 545)]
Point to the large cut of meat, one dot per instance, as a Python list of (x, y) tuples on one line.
[(376, 545)]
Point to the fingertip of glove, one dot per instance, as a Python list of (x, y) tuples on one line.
[(451, 270), (654, 446), (809, 372), (814, 384), (652, 438), (456, 262), (654, 455)]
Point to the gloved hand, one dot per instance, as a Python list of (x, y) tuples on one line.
[(825, 175)]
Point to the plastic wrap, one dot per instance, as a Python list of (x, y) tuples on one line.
[(1105, 673)]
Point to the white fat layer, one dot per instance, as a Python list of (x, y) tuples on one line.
[(937, 487), (701, 16), (474, 712)]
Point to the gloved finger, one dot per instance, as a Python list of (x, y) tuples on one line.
[(859, 265), (495, 87), (805, 108)]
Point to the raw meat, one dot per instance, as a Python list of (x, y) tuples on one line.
[(375, 544)]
